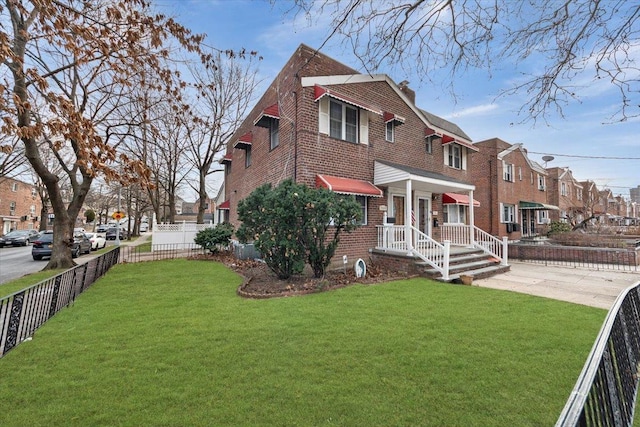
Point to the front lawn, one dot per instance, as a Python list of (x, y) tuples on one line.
[(170, 343)]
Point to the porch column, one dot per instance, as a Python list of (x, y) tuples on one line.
[(408, 233), (471, 219)]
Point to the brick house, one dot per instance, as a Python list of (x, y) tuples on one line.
[(322, 123), (564, 191), (19, 205), (591, 201), (511, 189)]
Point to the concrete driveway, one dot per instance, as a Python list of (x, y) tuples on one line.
[(595, 288)]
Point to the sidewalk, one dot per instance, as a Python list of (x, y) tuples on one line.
[(595, 288)]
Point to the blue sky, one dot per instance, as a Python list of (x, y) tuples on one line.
[(257, 25)]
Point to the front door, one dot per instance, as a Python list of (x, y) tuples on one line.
[(423, 215)]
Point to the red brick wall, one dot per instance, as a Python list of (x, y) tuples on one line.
[(23, 200)]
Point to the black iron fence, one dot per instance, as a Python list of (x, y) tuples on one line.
[(623, 259), (25, 311), (605, 393), (160, 252)]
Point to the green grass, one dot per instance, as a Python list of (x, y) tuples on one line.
[(170, 343), (27, 280)]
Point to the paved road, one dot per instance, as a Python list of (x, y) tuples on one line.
[(16, 262)]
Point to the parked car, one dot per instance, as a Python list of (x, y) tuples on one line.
[(98, 241), (111, 233), (42, 245), (144, 227), (81, 245), (18, 238), (102, 228)]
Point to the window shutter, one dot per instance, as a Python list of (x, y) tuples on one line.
[(502, 212), (323, 115), (446, 154), (364, 127)]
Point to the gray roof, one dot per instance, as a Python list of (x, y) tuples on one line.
[(445, 125)]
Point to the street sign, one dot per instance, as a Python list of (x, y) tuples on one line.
[(118, 215)]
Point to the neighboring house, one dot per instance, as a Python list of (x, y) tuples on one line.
[(323, 124), (634, 194), (19, 205), (591, 202), (511, 189), (564, 191)]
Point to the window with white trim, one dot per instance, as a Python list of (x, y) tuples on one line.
[(543, 217), (247, 157), (343, 121), (579, 193), (363, 206), (454, 214), (12, 208), (454, 156), (563, 188), (14, 187), (274, 133), (429, 144), (541, 186), (390, 131), (507, 171), (32, 210), (519, 173), (508, 213)]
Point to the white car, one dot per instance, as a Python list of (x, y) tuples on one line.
[(97, 241), (144, 226)]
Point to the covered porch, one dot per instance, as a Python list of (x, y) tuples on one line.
[(411, 224)]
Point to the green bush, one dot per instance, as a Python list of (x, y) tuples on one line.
[(212, 239), (292, 223), (557, 227)]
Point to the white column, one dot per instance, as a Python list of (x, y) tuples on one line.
[(471, 219), (408, 234)]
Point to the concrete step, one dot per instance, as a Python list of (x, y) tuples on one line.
[(481, 273)]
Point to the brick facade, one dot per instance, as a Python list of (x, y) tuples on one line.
[(566, 193), (495, 188), (20, 205), (305, 152)]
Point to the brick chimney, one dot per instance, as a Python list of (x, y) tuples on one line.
[(404, 87)]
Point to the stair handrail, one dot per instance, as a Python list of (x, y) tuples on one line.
[(492, 245), (432, 252)]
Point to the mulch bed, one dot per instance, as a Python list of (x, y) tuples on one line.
[(261, 282)]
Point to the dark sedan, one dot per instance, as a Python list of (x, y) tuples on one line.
[(42, 246), (18, 238), (111, 233)]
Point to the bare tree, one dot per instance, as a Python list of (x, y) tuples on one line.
[(77, 59), (565, 39), (223, 95)]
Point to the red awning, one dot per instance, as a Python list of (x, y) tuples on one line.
[(446, 139), (244, 141), (390, 117), (226, 159), (320, 92), (348, 186), (224, 206), (272, 112), (457, 199), (430, 132)]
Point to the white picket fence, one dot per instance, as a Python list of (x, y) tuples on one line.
[(181, 234)]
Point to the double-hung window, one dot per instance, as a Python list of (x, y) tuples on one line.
[(247, 157), (390, 131), (455, 156), (541, 182), (274, 133), (563, 188), (343, 121), (508, 213), (507, 171), (363, 206)]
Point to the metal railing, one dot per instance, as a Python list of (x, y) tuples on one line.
[(22, 312), (605, 393), (576, 256)]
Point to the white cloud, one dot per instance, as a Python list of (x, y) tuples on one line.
[(477, 110)]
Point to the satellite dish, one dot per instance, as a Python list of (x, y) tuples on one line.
[(547, 158)]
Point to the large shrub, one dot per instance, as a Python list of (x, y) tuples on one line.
[(292, 223), (212, 239)]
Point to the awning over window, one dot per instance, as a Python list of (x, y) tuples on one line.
[(270, 113), (458, 199), (224, 206), (348, 186), (537, 206), (226, 159), (390, 117), (244, 141), (321, 91), (448, 139)]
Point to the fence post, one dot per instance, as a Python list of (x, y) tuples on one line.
[(505, 251)]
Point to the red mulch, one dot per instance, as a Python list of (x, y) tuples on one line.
[(261, 282)]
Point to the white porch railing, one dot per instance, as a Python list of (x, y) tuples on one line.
[(392, 237), (459, 235)]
